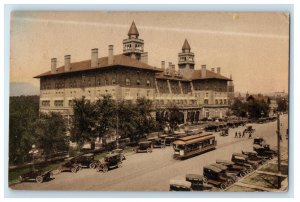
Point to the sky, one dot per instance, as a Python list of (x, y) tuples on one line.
[(252, 47)]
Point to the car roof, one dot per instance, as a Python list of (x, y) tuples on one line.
[(111, 155), (224, 161), (89, 154), (239, 154), (194, 176), (222, 167), (145, 142), (182, 183), (215, 169)]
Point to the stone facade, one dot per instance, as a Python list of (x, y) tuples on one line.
[(198, 93)]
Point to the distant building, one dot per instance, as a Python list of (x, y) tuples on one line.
[(128, 76)]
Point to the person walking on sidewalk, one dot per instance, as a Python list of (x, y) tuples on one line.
[(236, 134), (240, 135)]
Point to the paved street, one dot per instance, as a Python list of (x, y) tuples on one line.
[(153, 171)]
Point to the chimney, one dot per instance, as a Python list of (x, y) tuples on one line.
[(144, 57), (67, 63), (163, 64), (110, 54), (218, 70), (94, 57), (203, 71), (213, 69), (53, 65)]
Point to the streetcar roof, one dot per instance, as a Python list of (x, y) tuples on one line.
[(193, 138)]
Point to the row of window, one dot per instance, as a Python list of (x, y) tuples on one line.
[(73, 84), (220, 101)]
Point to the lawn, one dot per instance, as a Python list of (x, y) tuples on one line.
[(262, 180)]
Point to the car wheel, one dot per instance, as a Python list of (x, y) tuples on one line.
[(119, 165), (74, 170), (98, 169), (149, 150), (243, 174), (223, 186), (39, 179), (230, 181), (105, 169), (250, 170), (205, 179), (92, 165)]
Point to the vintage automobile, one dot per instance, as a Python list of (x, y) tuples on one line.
[(224, 132), (195, 180), (86, 160), (249, 129), (159, 143), (253, 156), (180, 185), (109, 161), (239, 170), (145, 146), (215, 176), (120, 152), (70, 165), (36, 175), (232, 176), (242, 159), (258, 141), (169, 140), (264, 151)]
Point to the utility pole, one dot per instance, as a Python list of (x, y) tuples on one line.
[(278, 149)]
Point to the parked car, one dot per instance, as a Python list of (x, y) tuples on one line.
[(195, 180), (258, 140), (86, 160), (264, 151), (232, 176), (159, 143), (70, 165), (242, 159), (239, 170), (253, 156), (36, 175), (180, 185), (169, 140), (145, 146), (120, 152), (215, 176), (109, 161)]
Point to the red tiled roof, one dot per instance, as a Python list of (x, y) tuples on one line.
[(121, 60)]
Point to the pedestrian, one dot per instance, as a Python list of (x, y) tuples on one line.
[(240, 134), (250, 135), (236, 134)]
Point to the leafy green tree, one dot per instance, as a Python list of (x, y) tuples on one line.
[(257, 109), (50, 133), (23, 112)]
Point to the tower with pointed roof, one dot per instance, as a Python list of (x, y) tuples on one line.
[(133, 46), (186, 62)]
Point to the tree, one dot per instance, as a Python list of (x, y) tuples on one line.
[(50, 133), (145, 121), (127, 120), (23, 112), (83, 127), (105, 116), (282, 105), (175, 116), (257, 109)]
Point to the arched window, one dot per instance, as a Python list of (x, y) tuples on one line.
[(127, 82), (138, 82), (148, 83), (113, 81)]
